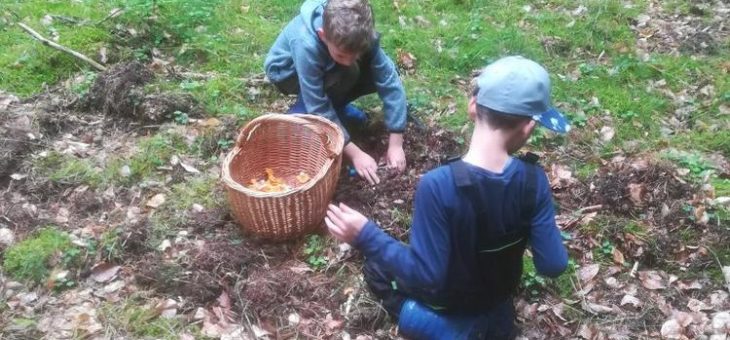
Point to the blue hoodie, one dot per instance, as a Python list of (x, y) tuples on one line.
[(439, 261), (299, 50)]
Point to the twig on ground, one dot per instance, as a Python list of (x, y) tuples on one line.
[(67, 20), (113, 14), (61, 48), (255, 80), (589, 209)]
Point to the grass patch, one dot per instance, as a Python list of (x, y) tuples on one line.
[(314, 251), (165, 222), (402, 218), (110, 245), (584, 171), (719, 253), (142, 321), (26, 64), (32, 259), (70, 170), (153, 152), (534, 283), (198, 190)]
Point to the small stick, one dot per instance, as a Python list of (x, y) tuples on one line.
[(589, 209), (114, 13), (52, 44)]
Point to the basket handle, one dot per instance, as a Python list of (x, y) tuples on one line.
[(326, 138), (249, 129)]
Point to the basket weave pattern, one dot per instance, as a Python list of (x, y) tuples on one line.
[(287, 144)]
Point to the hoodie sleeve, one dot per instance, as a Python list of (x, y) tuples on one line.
[(310, 70), (424, 262), (549, 253), (391, 92)]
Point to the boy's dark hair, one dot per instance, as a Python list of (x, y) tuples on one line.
[(349, 24), (497, 119)]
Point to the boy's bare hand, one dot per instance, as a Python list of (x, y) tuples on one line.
[(344, 223), (396, 158), (364, 165)]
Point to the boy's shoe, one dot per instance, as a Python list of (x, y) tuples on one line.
[(298, 106), (353, 115)]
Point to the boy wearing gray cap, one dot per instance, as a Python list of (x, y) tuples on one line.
[(473, 219)]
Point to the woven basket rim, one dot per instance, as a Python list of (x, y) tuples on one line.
[(233, 184)]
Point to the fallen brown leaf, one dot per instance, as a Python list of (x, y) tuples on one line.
[(406, 60), (587, 332), (7, 238), (697, 305), (224, 300), (636, 193), (607, 134), (156, 201), (701, 215), (684, 318), (103, 272), (301, 269), (293, 319), (618, 257), (612, 282), (167, 308), (640, 164), (631, 300), (651, 280), (332, 324), (259, 332), (721, 323), (671, 329), (62, 216), (189, 168), (689, 286), (557, 309), (6, 100), (595, 308), (114, 286), (210, 122), (718, 299), (587, 273), (560, 176)]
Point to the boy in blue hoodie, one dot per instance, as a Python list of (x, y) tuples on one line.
[(473, 219), (329, 55)]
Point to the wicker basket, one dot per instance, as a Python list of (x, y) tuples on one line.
[(288, 144)]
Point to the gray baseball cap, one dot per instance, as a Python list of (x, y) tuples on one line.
[(519, 86)]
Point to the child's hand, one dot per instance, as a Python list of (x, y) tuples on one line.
[(364, 165), (344, 223), (396, 158)]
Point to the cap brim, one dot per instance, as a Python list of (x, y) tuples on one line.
[(553, 120)]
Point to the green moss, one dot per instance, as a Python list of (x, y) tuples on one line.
[(69, 169), (203, 191), (721, 253), (29, 259), (131, 317), (26, 64), (564, 284), (154, 152)]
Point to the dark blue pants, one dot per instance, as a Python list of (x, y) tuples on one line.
[(498, 321)]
